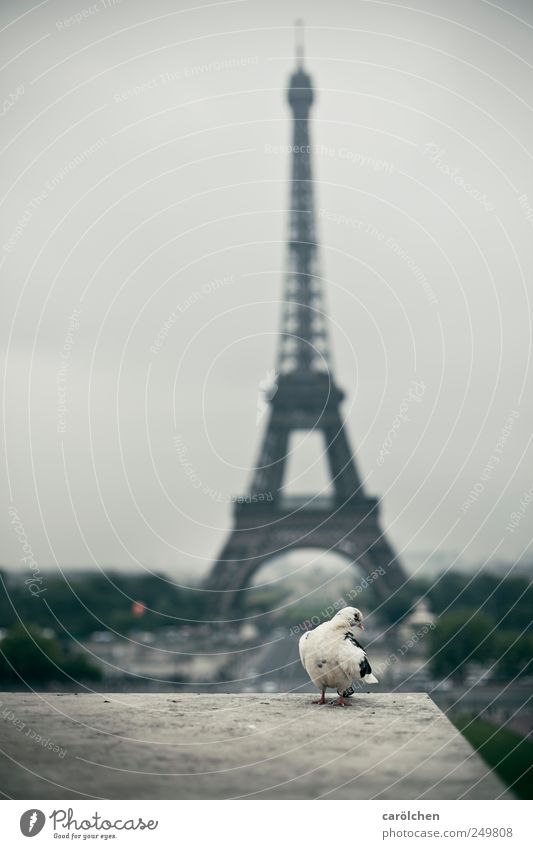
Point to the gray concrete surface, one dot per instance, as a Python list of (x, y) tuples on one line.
[(188, 746)]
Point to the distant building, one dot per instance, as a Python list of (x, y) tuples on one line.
[(413, 625)]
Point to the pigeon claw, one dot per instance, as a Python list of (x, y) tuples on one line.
[(321, 700), (341, 702)]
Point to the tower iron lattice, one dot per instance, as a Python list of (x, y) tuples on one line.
[(267, 523)]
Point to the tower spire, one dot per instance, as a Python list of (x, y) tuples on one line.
[(303, 344), (299, 43)]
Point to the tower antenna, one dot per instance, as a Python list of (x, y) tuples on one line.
[(299, 42)]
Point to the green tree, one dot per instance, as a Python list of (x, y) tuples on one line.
[(36, 658), (459, 639), (398, 605), (513, 653)]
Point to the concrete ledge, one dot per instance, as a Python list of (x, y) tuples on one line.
[(188, 746)]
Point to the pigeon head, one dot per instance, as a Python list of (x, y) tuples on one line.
[(351, 617)]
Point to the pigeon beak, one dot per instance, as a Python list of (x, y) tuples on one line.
[(362, 627)]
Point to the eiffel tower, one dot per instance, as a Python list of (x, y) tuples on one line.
[(267, 523)]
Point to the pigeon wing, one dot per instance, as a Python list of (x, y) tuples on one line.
[(353, 660)]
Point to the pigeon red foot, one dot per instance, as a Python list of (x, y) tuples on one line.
[(321, 700)]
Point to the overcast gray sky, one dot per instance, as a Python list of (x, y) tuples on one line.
[(145, 192)]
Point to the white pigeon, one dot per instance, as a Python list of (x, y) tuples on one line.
[(332, 657)]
